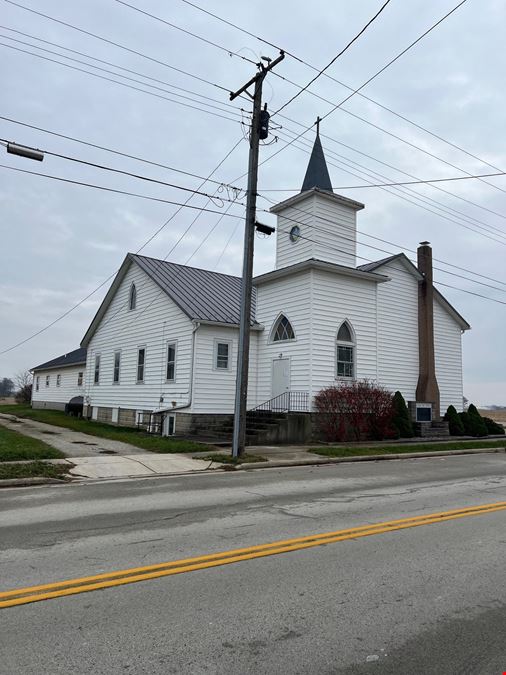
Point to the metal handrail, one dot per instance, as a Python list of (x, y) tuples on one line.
[(288, 401)]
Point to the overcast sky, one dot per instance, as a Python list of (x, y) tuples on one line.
[(60, 241)]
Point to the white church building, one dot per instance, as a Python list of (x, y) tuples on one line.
[(164, 342)]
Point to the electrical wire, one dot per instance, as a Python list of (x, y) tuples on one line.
[(358, 93), (121, 192), (123, 84), (323, 70), (155, 234)]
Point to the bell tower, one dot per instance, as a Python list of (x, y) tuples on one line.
[(316, 223)]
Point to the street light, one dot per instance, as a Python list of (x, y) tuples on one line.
[(25, 151)]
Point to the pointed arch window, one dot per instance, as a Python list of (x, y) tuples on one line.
[(132, 297), (345, 351), (282, 330)]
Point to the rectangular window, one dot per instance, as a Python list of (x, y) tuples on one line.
[(141, 361), (171, 362), (117, 362), (96, 374), (222, 355), (48, 377), (37, 383), (344, 361), (79, 379), (58, 380)]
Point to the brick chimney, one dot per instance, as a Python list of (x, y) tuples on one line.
[(427, 390)]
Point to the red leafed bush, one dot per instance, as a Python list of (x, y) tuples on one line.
[(355, 411)]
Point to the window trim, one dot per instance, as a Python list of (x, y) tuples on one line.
[(275, 327), (138, 381), (96, 369), (132, 297), (48, 380), (170, 343), (80, 378), (352, 345), (220, 341), (37, 382), (114, 381), (58, 380)]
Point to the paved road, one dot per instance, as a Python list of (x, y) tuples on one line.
[(425, 600)]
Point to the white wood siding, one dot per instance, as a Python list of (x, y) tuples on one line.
[(448, 350), (290, 296), (334, 299), (398, 331), (214, 389), (331, 227), (53, 394), (154, 323)]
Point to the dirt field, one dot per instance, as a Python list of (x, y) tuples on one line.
[(498, 416), (7, 400)]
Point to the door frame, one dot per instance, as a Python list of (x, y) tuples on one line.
[(284, 358)]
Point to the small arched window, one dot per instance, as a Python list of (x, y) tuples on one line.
[(345, 351), (132, 298), (282, 330)]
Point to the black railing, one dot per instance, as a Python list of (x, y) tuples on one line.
[(288, 401)]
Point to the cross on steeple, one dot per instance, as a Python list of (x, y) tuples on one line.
[(317, 174)]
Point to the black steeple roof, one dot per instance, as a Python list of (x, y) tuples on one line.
[(317, 174)]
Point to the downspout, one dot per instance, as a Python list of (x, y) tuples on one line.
[(196, 326)]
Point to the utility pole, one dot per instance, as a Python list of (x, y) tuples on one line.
[(258, 131)]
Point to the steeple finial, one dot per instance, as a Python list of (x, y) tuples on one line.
[(317, 174)]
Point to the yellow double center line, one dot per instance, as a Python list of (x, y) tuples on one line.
[(22, 596)]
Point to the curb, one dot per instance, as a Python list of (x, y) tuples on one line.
[(365, 458), (27, 482)]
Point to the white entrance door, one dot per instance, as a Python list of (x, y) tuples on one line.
[(280, 376)]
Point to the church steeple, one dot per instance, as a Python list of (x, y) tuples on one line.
[(317, 174)]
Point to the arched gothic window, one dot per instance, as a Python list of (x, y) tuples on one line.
[(345, 351), (132, 298), (282, 330)]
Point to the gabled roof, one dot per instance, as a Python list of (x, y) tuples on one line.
[(75, 358), (317, 173), (403, 258), (205, 296), (314, 263)]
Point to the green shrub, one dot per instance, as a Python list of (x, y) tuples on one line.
[(402, 420), (492, 427), (473, 422), (454, 422)]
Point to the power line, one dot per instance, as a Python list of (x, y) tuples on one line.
[(228, 107), (322, 71), (141, 177), (412, 182), (359, 93), (181, 206), (116, 44), (229, 52), (123, 84), (420, 198), (121, 192)]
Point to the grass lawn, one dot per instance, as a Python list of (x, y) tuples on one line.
[(411, 447), (133, 436), (15, 447), (33, 470)]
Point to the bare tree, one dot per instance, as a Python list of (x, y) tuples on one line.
[(23, 381)]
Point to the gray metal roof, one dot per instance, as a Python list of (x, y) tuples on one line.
[(370, 267), (317, 174), (202, 295), (75, 358)]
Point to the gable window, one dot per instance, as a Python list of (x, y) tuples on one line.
[(222, 355), (96, 373), (132, 297), (282, 330), (141, 361), (115, 371), (80, 379), (345, 351), (58, 380), (171, 362), (37, 383), (48, 377)]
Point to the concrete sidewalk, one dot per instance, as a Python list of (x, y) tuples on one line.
[(130, 466)]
